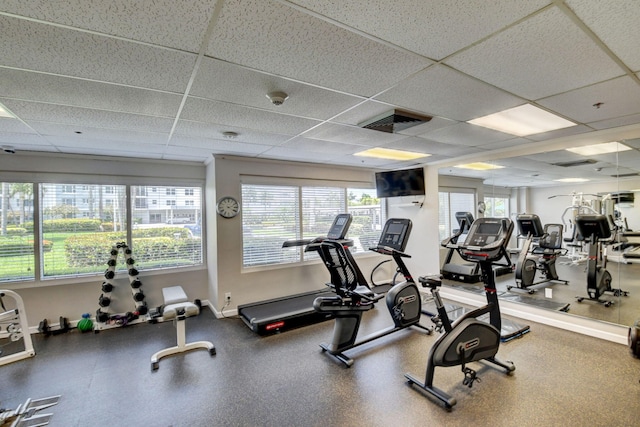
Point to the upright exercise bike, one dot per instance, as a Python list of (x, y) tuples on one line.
[(595, 229), (469, 339), (353, 298)]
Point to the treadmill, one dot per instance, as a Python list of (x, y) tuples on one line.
[(284, 313)]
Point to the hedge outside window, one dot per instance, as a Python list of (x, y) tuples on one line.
[(80, 223)]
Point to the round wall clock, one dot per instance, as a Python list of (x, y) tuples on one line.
[(228, 207)]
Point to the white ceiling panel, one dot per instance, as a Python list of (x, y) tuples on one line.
[(247, 87), (181, 25), (352, 135), (75, 92), (442, 91), (215, 131), (442, 27), (269, 36), (615, 22), (466, 134), (613, 98), (39, 47), (537, 58), (166, 79), (86, 117), (207, 111)]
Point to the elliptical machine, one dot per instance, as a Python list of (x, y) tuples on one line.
[(595, 229), (469, 339), (353, 298), (541, 257)]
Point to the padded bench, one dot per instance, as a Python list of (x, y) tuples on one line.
[(178, 308)]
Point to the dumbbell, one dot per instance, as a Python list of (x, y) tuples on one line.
[(104, 301), (136, 283), (101, 316), (107, 287), (109, 274), (133, 272), (111, 262), (138, 296)]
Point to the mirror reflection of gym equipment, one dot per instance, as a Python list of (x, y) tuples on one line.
[(541, 249), (468, 272)]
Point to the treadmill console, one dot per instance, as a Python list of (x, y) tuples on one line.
[(339, 227), (529, 224), (487, 239), (395, 234), (596, 225)]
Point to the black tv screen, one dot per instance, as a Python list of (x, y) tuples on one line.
[(406, 182)]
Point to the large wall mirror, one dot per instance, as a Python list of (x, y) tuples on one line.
[(556, 185)]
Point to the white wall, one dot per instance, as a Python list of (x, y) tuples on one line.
[(259, 284)]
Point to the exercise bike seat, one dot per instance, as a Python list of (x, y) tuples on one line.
[(430, 281)]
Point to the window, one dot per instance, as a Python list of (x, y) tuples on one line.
[(450, 202), (76, 239), (273, 214), (170, 191), (496, 207), (17, 242), (188, 191)]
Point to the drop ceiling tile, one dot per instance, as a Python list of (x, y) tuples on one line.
[(617, 122), (634, 143), (92, 134), (113, 152), (21, 140), (246, 87), (352, 135), (363, 112), (447, 26), (442, 91), (539, 57), (573, 130), (85, 117), (619, 97), (297, 155), (615, 23), (181, 25), (350, 160), (30, 86), (207, 111), (315, 146), (214, 131), (95, 145), (40, 47), (216, 145), (467, 135), (270, 36), (506, 144), (13, 125)]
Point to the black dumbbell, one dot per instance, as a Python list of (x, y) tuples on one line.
[(138, 296), (101, 316), (109, 274), (133, 272), (107, 287), (136, 283), (131, 261), (104, 301), (112, 262)]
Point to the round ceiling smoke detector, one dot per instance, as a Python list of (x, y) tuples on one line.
[(277, 98), (230, 135)]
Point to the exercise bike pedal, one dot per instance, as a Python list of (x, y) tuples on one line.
[(470, 376)]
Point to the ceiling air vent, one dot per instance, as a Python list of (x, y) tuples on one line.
[(395, 121), (575, 163)]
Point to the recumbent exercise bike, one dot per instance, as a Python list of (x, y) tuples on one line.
[(469, 339), (353, 297)]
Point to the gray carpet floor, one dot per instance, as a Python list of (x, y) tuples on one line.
[(561, 379)]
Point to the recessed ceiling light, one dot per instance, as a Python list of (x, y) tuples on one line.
[(522, 121), (479, 166), (604, 148), (571, 180), (5, 113), (388, 153)]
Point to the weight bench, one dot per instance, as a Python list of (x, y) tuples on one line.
[(178, 308)]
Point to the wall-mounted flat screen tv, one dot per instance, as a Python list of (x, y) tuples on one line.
[(406, 182)]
